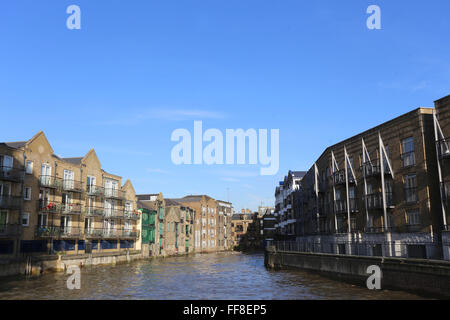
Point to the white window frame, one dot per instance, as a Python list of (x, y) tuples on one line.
[(29, 167), (27, 215), (25, 193)]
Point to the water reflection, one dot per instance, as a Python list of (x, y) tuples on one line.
[(208, 276)]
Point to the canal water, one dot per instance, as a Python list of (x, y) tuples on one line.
[(229, 275)]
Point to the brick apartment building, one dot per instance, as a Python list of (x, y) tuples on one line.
[(387, 186), (50, 204)]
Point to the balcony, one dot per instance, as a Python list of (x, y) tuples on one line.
[(9, 230), (112, 193), (340, 206), (71, 208), (443, 148), (375, 201), (128, 234), (94, 211), (95, 191), (373, 169), (12, 174), (112, 213), (339, 177), (60, 184), (131, 215), (59, 208), (10, 202), (58, 232)]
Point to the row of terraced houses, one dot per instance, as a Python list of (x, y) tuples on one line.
[(51, 205), (383, 192)]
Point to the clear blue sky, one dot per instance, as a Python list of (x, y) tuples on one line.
[(137, 70)]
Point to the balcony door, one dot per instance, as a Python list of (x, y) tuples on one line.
[(67, 202), (44, 198), (91, 181), (109, 226), (5, 190), (65, 224), (109, 207), (46, 172), (69, 182)]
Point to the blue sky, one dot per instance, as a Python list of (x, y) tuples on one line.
[(137, 70)]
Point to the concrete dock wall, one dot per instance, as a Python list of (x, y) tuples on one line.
[(422, 276)]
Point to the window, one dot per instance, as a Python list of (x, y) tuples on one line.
[(25, 219), (408, 158), (412, 217), (410, 188), (42, 220), (29, 167), (27, 193)]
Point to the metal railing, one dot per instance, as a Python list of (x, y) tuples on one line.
[(10, 202), (373, 168), (132, 215), (113, 213), (59, 208), (58, 232), (114, 193), (95, 191), (401, 249), (340, 206), (443, 148), (339, 177), (94, 211), (9, 230), (375, 200), (60, 183), (12, 174)]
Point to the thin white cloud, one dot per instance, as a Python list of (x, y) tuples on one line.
[(157, 170), (230, 179), (164, 114)]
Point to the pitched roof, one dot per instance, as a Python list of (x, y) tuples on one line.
[(194, 198), (74, 160), (15, 145), (172, 202), (146, 197)]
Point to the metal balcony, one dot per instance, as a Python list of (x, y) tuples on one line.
[(443, 148), (373, 169), (132, 215), (10, 202), (58, 232), (128, 234), (95, 191), (60, 184), (94, 211), (9, 230), (111, 213), (112, 193), (340, 206), (12, 174), (375, 201), (59, 208), (339, 177)]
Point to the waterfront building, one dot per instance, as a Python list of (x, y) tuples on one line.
[(154, 204), (287, 204), (225, 213), (51, 204), (442, 137), (385, 187), (179, 227), (239, 226), (205, 221)]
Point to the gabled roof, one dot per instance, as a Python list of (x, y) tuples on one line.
[(195, 198), (75, 160), (15, 145), (172, 202), (146, 197)]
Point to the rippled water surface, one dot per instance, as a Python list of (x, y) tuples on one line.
[(202, 276)]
